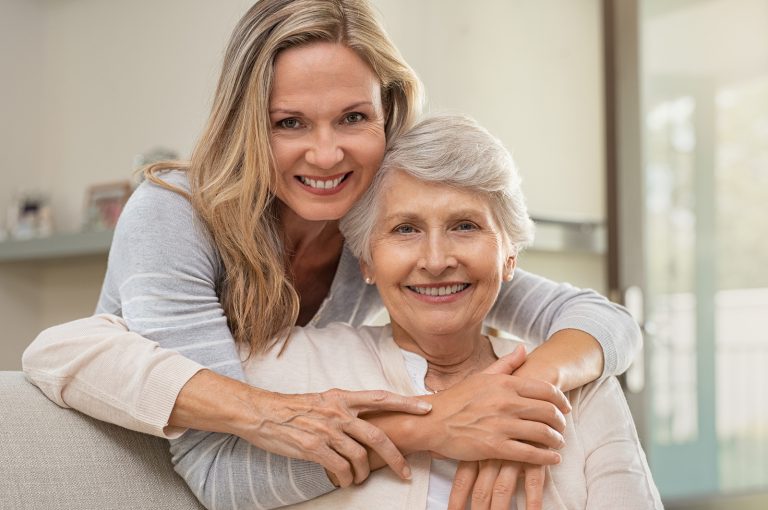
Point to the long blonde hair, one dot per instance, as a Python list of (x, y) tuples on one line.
[(232, 171)]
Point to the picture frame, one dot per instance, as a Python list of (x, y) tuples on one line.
[(104, 203)]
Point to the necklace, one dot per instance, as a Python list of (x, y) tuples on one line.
[(469, 372), (434, 392)]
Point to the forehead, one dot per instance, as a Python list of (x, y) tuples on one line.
[(405, 195), (321, 69)]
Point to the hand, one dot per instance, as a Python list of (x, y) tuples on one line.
[(492, 485), (325, 428), (495, 415)]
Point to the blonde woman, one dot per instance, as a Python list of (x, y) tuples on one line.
[(232, 248)]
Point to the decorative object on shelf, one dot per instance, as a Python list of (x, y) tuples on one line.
[(104, 203), (29, 217), (153, 155)]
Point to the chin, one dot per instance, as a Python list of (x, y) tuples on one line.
[(443, 327), (324, 213)]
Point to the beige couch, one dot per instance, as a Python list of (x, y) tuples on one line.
[(53, 458)]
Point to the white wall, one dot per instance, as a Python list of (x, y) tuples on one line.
[(88, 84), (21, 50), (531, 72), (21, 85)]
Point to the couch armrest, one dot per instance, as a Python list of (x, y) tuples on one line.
[(54, 458)]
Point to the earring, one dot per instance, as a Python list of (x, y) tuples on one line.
[(508, 277), (368, 280)]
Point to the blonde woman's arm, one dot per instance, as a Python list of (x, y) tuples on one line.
[(75, 365), (581, 335)]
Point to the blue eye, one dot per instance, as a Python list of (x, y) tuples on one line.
[(354, 118), (404, 229), (466, 226), (289, 123)]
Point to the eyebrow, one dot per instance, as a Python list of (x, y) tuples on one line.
[(286, 111), (414, 216)]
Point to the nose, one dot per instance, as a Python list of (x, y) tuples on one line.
[(324, 151), (438, 254)]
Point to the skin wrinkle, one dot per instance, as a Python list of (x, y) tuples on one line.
[(426, 238)]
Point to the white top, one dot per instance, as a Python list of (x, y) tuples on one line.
[(603, 466)]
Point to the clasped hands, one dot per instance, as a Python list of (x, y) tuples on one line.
[(499, 426), (491, 483)]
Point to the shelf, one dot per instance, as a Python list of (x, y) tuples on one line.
[(551, 236), (56, 246), (565, 236)]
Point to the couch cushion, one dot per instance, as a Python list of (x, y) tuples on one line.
[(54, 458)]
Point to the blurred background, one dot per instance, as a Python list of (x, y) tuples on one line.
[(640, 128)]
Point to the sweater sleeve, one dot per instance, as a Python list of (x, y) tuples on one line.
[(534, 308), (74, 363), (162, 279), (615, 468)]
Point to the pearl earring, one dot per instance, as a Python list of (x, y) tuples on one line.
[(508, 277), (368, 280)]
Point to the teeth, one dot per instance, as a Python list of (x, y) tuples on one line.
[(319, 184), (440, 291)]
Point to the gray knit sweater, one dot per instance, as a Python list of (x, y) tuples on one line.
[(162, 279)]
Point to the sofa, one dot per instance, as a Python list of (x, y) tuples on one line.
[(54, 458)]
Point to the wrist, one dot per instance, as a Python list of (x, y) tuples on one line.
[(542, 371), (215, 403), (409, 432)]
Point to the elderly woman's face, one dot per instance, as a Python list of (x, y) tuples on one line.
[(327, 129), (437, 256)]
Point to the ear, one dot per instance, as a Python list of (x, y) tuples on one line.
[(367, 272), (509, 267)]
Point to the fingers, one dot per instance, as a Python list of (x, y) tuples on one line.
[(377, 440), (523, 452), (542, 412), (509, 363), (354, 454), (535, 432), (505, 485), (463, 481), (482, 492), (540, 390), (380, 400), (340, 471), (534, 486)]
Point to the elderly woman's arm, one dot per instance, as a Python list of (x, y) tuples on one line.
[(615, 466)]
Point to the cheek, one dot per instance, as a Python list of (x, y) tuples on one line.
[(371, 149), (490, 268), (390, 265), (281, 151)]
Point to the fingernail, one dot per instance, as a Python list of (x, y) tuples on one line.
[(407, 473), (424, 406)]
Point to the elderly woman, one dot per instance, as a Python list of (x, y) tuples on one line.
[(437, 233)]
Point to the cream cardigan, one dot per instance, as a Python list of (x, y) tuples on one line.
[(603, 464)]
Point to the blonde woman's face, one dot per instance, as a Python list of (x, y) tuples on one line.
[(327, 129)]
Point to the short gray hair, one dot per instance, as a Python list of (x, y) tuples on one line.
[(452, 150)]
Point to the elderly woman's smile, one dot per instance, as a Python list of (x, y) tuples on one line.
[(438, 256)]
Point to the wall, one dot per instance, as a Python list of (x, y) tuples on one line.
[(21, 49), (95, 83)]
